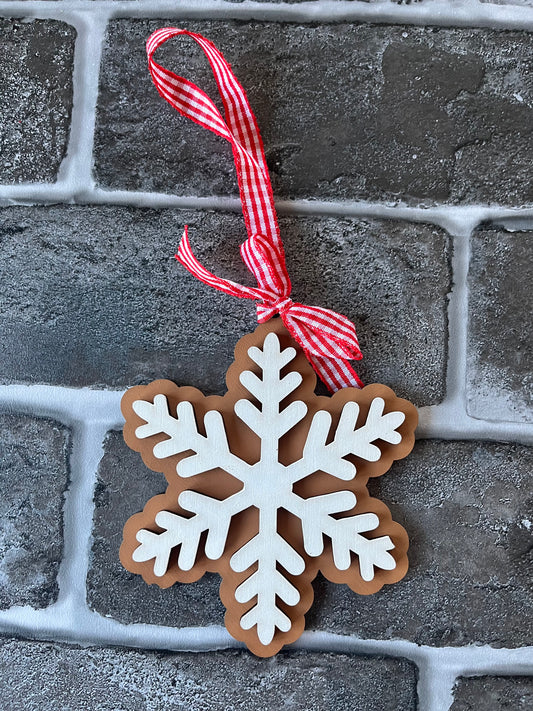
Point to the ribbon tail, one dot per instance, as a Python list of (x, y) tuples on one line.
[(186, 257), (335, 373)]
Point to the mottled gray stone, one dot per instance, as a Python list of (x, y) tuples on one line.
[(35, 98), (280, 2), (123, 488), (468, 510), (526, 3), (493, 693), (500, 337), (102, 300), (33, 478), (38, 676), (346, 111)]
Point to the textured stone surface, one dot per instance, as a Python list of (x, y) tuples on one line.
[(468, 510), (33, 477), (35, 98), (500, 348), (104, 302), (494, 693), (386, 113), (36, 676), (124, 486), (526, 3)]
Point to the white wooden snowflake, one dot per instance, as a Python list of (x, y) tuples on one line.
[(267, 485)]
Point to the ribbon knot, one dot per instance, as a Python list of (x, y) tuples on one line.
[(328, 339), (270, 307)]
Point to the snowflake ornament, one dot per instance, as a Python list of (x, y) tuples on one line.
[(267, 486)]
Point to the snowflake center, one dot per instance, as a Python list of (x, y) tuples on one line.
[(268, 485)]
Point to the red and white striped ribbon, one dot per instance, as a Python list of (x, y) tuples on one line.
[(327, 338)]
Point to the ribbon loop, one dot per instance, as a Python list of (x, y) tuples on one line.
[(327, 338), (239, 128)]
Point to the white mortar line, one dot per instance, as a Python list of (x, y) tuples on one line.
[(453, 410), (68, 405), (435, 684), (458, 322), (445, 421), (156, 200), (455, 219), (460, 13), (465, 13), (440, 668), (102, 407), (75, 173), (87, 451), (514, 223), (90, 628), (36, 193)]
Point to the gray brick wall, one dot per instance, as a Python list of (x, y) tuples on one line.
[(35, 98), (34, 469), (386, 113), (44, 676), (493, 693), (398, 136)]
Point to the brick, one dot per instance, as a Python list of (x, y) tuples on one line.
[(393, 113), (124, 486), (493, 693), (500, 340), (34, 476), (35, 98), (38, 676), (467, 508), (103, 302)]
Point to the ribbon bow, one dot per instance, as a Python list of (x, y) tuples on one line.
[(328, 339)]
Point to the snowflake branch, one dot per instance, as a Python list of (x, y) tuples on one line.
[(182, 430), (267, 583), (329, 458), (211, 451), (268, 422), (211, 515), (345, 533)]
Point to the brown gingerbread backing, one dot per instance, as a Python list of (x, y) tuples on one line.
[(245, 444)]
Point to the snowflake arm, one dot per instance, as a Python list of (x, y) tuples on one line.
[(270, 423), (210, 515), (267, 549), (345, 533), (211, 451), (349, 439)]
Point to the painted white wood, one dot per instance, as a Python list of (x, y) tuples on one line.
[(268, 485)]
